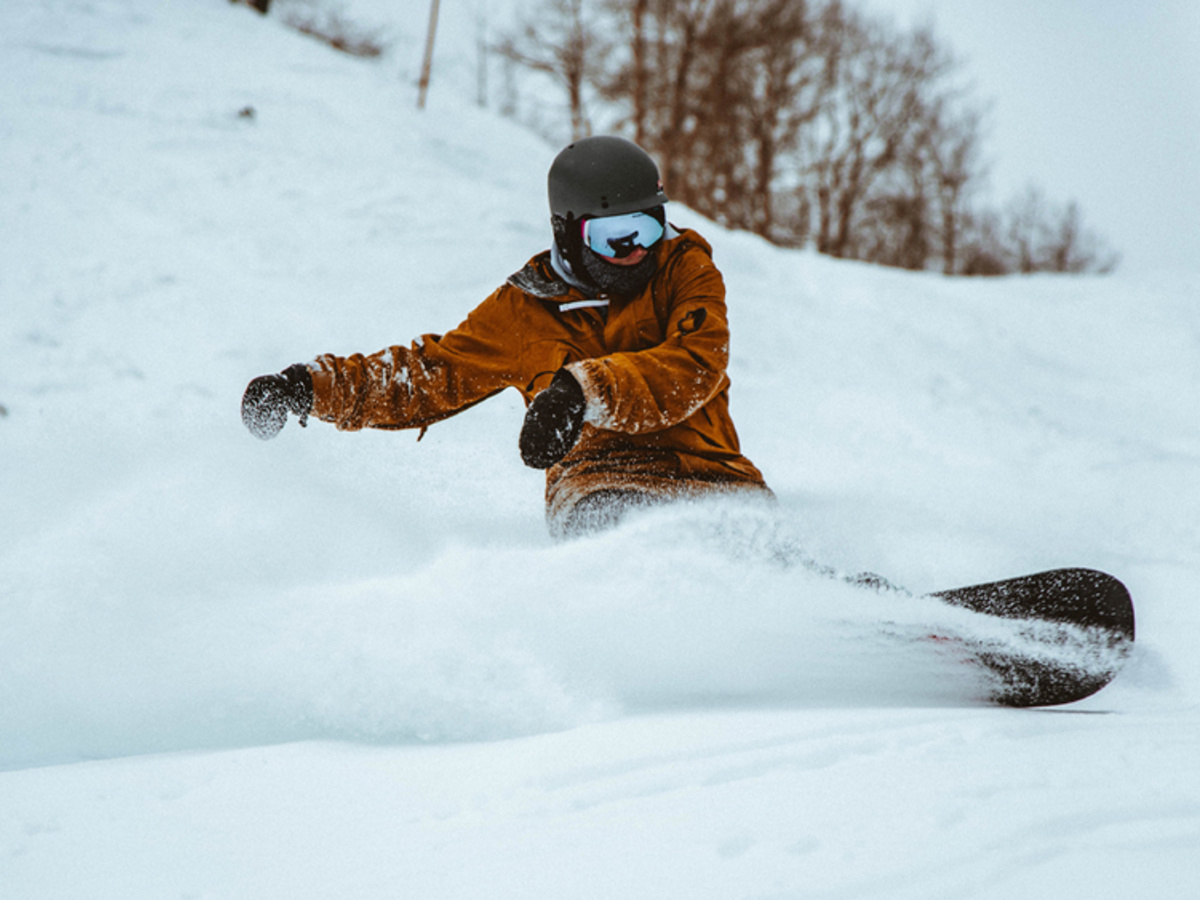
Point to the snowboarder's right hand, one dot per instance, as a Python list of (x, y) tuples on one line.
[(269, 399), (553, 422)]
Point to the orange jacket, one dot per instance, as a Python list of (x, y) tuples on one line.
[(652, 370)]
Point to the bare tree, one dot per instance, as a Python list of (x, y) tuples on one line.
[(716, 89), (654, 80), (670, 114), (917, 212), (981, 249), (766, 93), (1031, 234), (876, 88), (1025, 230), (954, 158), (559, 41), (638, 76), (799, 120), (1042, 237)]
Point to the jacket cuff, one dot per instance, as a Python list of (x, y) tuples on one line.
[(322, 385), (591, 377)]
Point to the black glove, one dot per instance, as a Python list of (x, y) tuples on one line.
[(553, 422), (269, 399)]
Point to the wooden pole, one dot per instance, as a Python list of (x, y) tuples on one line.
[(427, 65)]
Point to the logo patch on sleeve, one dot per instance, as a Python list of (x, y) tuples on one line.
[(692, 321)]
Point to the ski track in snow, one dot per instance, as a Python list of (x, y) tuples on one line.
[(356, 665)]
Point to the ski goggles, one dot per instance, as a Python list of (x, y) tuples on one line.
[(619, 236)]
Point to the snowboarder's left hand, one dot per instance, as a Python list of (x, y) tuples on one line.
[(553, 422), (269, 399)]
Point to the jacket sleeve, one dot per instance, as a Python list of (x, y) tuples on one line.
[(656, 388), (433, 378)]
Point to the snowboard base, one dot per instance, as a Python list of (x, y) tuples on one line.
[(1076, 629)]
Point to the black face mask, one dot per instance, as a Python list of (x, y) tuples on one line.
[(624, 281)]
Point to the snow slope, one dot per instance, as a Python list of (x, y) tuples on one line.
[(357, 665)]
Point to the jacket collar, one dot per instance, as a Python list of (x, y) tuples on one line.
[(539, 279)]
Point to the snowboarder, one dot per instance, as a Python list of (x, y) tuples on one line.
[(616, 336)]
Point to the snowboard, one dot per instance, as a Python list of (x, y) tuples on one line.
[(1074, 630)]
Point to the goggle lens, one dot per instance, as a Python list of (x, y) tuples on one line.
[(618, 236)]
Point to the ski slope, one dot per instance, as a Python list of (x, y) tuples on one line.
[(356, 664)]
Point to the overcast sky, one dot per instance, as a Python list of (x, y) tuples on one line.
[(1093, 100)]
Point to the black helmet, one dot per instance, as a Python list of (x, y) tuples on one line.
[(603, 176)]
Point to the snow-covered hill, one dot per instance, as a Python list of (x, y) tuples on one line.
[(356, 665)]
